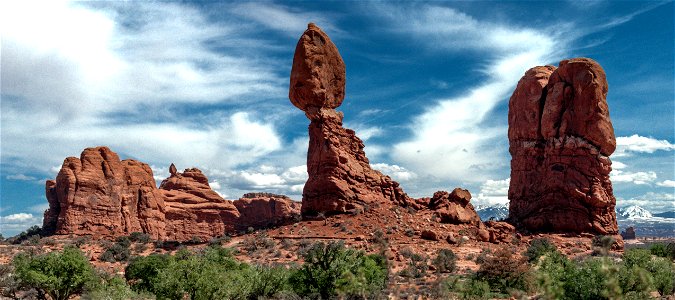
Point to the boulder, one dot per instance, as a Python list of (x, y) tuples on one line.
[(429, 234), (259, 210), (560, 137), (340, 176), (454, 207), (500, 232)]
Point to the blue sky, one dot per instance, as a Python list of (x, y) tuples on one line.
[(206, 85)]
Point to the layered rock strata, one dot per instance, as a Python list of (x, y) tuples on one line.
[(340, 176), (98, 194), (560, 139)]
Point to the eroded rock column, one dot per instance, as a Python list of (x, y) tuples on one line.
[(560, 137)]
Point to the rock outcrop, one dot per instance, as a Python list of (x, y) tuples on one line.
[(454, 207), (629, 233), (193, 209), (560, 137), (265, 209), (340, 176), (99, 194)]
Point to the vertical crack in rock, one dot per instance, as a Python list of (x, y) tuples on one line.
[(560, 139)]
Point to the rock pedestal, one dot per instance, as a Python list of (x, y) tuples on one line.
[(560, 139), (340, 177)]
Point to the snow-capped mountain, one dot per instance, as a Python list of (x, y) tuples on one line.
[(497, 211), (633, 212)]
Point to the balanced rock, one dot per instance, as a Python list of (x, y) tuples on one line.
[(318, 72), (560, 137), (340, 176), (260, 210), (99, 194), (193, 209)]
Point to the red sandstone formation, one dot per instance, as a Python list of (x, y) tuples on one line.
[(560, 137), (340, 177), (193, 209), (454, 207), (100, 195), (265, 209)]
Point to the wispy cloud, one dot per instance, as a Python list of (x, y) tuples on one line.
[(493, 192), (634, 177), (284, 19), (14, 223), (655, 202), (451, 138), (627, 145)]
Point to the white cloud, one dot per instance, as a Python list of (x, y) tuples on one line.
[(21, 177), (493, 192), (617, 165), (82, 74), (365, 132), (396, 172), (451, 139), (626, 145), (666, 183), (653, 202), (634, 177), (283, 19), (15, 223)]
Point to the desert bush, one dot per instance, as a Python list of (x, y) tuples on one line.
[(663, 250), (417, 264), (268, 281), (464, 288), (118, 251), (81, 240), (537, 248), (110, 288), (139, 237), (503, 272), (142, 272), (602, 244), (9, 283), (331, 269), (257, 242), (445, 261), (58, 274), (25, 235), (663, 271)]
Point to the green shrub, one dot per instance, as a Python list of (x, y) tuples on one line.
[(116, 252), (663, 271), (636, 257), (445, 261), (602, 244), (142, 272), (663, 250), (465, 288), (58, 274), (539, 247), (110, 288), (331, 269), (503, 272), (34, 231), (268, 281)]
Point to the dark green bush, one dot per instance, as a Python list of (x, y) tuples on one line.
[(539, 247), (417, 265), (663, 271), (445, 261), (139, 237), (33, 231), (464, 288), (331, 269), (142, 272), (663, 250), (110, 288), (116, 252), (58, 274)]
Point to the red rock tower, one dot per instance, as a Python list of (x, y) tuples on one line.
[(560, 139), (340, 177)]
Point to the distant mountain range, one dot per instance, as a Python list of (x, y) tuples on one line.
[(644, 222)]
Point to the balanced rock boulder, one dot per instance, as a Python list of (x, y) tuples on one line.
[(99, 194), (260, 210), (340, 176), (193, 209), (560, 139)]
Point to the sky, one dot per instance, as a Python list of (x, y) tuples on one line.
[(205, 84)]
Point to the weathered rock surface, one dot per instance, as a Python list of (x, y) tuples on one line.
[(454, 207), (560, 137), (193, 209), (500, 232), (100, 194), (265, 209), (340, 177), (318, 73)]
